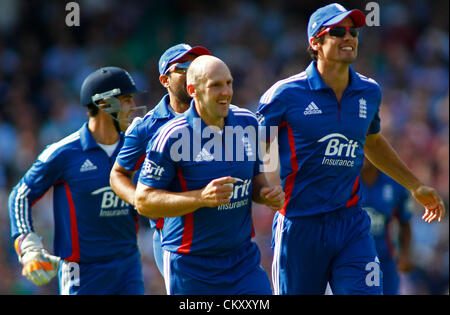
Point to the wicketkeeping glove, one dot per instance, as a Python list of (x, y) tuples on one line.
[(38, 265)]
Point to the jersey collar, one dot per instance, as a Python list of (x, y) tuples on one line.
[(161, 110), (88, 142), (191, 113), (316, 83)]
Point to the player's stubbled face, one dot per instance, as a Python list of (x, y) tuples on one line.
[(341, 49), (178, 81), (216, 91)]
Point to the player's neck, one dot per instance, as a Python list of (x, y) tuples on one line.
[(177, 105), (220, 123), (102, 129), (335, 75), (209, 120)]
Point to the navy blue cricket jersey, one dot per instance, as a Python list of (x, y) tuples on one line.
[(383, 201), (320, 139), (137, 136), (140, 132), (182, 157), (91, 223)]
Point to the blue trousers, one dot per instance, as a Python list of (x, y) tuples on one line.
[(239, 273), (119, 276), (158, 251), (335, 247)]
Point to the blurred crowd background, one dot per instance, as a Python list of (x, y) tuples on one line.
[(43, 63)]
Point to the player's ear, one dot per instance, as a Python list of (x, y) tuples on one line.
[(164, 79), (314, 43), (190, 88)]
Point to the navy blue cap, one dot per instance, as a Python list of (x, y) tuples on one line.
[(333, 14), (177, 52)]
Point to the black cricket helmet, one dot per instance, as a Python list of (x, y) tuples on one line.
[(107, 83)]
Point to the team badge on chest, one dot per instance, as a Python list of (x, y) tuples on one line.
[(362, 108)]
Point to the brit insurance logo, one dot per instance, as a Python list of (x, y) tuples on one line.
[(240, 190), (112, 205), (151, 170), (377, 221), (340, 150)]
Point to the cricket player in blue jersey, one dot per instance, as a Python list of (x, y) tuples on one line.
[(386, 200), (327, 119), (201, 173), (95, 243), (173, 65)]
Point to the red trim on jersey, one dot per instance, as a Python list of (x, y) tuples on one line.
[(75, 257), (188, 231), (186, 241), (136, 223), (271, 135), (160, 223), (139, 162), (252, 233), (290, 179), (354, 198)]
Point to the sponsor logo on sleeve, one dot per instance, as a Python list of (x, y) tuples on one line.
[(151, 170)]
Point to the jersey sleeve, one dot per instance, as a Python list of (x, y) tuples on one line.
[(158, 169), (132, 153), (32, 186), (375, 124), (259, 165), (270, 114)]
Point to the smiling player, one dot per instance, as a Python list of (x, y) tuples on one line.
[(328, 120), (206, 198), (173, 65)]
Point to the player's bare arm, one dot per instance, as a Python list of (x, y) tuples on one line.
[(271, 161), (383, 156), (121, 181), (269, 195), (162, 203)]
